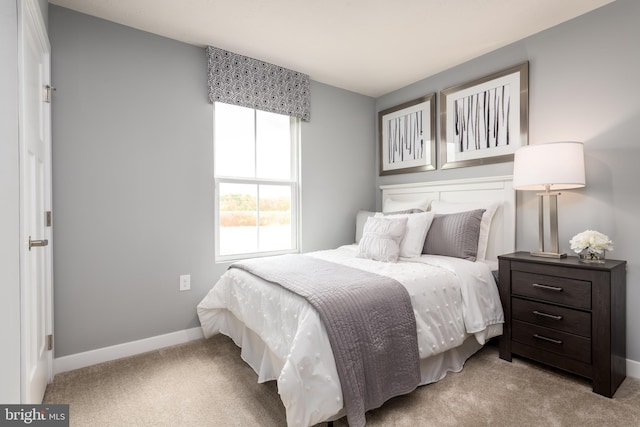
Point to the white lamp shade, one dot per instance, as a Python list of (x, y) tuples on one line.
[(559, 165)]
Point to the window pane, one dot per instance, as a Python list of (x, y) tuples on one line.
[(273, 145), (238, 218), (256, 177), (234, 141), (275, 218)]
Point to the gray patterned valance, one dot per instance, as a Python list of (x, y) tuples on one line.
[(240, 80)]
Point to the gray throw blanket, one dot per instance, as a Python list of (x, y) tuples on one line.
[(369, 321)]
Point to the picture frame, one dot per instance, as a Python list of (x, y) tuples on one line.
[(486, 120), (407, 134)]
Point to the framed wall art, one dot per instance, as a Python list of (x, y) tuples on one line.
[(486, 120), (407, 135)]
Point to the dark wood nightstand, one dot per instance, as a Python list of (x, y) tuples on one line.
[(566, 314)]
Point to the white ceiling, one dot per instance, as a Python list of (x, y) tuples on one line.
[(370, 47)]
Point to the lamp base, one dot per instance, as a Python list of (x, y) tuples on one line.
[(547, 254)]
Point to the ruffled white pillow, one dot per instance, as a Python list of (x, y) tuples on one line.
[(381, 238), (417, 227)]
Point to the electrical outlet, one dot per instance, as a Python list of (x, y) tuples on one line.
[(185, 282)]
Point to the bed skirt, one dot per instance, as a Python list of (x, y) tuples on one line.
[(268, 366)]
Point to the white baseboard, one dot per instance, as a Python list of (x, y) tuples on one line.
[(93, 357), (88, 358), (633, 368)]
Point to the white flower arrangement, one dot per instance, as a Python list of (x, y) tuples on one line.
[(593, 241)]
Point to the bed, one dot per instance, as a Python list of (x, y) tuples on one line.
[(454, 300)]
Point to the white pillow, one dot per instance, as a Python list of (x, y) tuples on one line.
[(391, 205), (417, 227), (441, 207), (381, 238)]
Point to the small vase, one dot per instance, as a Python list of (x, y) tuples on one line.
[(591, 257)]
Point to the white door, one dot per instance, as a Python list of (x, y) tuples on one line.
[(35, 201)]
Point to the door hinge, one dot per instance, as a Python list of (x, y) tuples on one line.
[(48, 93), (50, 342), (47, 219)]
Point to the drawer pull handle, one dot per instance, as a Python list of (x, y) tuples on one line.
[(543, 338), (550, 316), (547, 287)]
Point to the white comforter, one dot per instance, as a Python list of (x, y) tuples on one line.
[(452, 298)]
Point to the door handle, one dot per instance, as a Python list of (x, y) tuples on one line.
[(37, 243)]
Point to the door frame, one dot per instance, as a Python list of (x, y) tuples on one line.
[(30, 19)]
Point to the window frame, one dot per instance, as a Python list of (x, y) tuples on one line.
[(293, 183)]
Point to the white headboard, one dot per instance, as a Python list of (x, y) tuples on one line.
[(502, 235)]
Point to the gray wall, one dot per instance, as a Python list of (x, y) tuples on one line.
[(133, 180), (583, 86), (337, 166), (9, 207)]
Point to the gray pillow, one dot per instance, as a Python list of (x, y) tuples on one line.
[(454, 235)]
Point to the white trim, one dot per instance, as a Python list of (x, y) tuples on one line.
[(36, 361), (293, 182), (448, 183), (106, 354), (633, 369)]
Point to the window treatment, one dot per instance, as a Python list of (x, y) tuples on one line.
[(248, 82)]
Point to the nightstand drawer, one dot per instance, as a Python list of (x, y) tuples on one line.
[(551, 316), (571, 292), (561, 343)]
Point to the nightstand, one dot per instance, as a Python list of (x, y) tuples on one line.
[(566, 314)]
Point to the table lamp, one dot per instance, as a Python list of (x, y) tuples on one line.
[(549, 167)]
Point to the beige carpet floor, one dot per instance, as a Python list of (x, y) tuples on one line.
[(205, 383)]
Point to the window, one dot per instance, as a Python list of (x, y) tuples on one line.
[(256, 182)]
